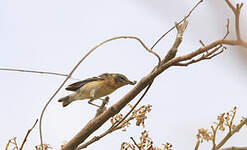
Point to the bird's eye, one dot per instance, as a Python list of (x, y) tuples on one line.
[(122, 78)]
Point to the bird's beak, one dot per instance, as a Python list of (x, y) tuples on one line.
[(131, 83)]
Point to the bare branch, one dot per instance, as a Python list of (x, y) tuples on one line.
[(186, 17), (230, 134), (135, 143), (140, 112), (227, 29), (214, 136), (33, 71), (236, 10), (197, 145), (208, 55), (234, 148), (173, 51), (202, 43), (110, 130), (28, 132)]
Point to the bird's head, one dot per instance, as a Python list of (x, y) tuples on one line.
[(122, 80)]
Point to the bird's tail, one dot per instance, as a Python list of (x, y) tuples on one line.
[(65, 100)]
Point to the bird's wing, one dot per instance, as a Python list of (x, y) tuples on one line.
[(77, 85)]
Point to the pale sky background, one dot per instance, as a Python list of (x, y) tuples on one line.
[(52, 35)]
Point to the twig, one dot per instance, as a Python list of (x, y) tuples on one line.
[(96, 138), (234, 148), (231, 122), (208, 55), (28, 132), (135, 143), (173, 51), (227, 29), (12, 141), (230, 134), (7, 145), (145, 92), (187, 16), (33, 71), (214, 136), (76, 66), (197, 145), (202, 43), (236, 10)]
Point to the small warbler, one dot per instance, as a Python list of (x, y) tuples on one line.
[(95, 87)]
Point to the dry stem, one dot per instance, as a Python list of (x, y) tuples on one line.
[(230, 134), (28, 132), (39, 72)]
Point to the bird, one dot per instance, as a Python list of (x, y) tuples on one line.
[(95, 88)]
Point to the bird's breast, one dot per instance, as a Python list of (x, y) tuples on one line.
[(100, 89)]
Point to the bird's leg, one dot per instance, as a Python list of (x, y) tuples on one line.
[(92, 93), (105, 100), (102, 108)]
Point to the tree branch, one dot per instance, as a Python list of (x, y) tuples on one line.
[(234, 148), (236, 10), (28, 132), (186, 17), (206, 56), (135, 143), (231, 133), (39, 72)]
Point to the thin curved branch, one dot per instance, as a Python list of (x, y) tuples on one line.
[(33, 71)]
